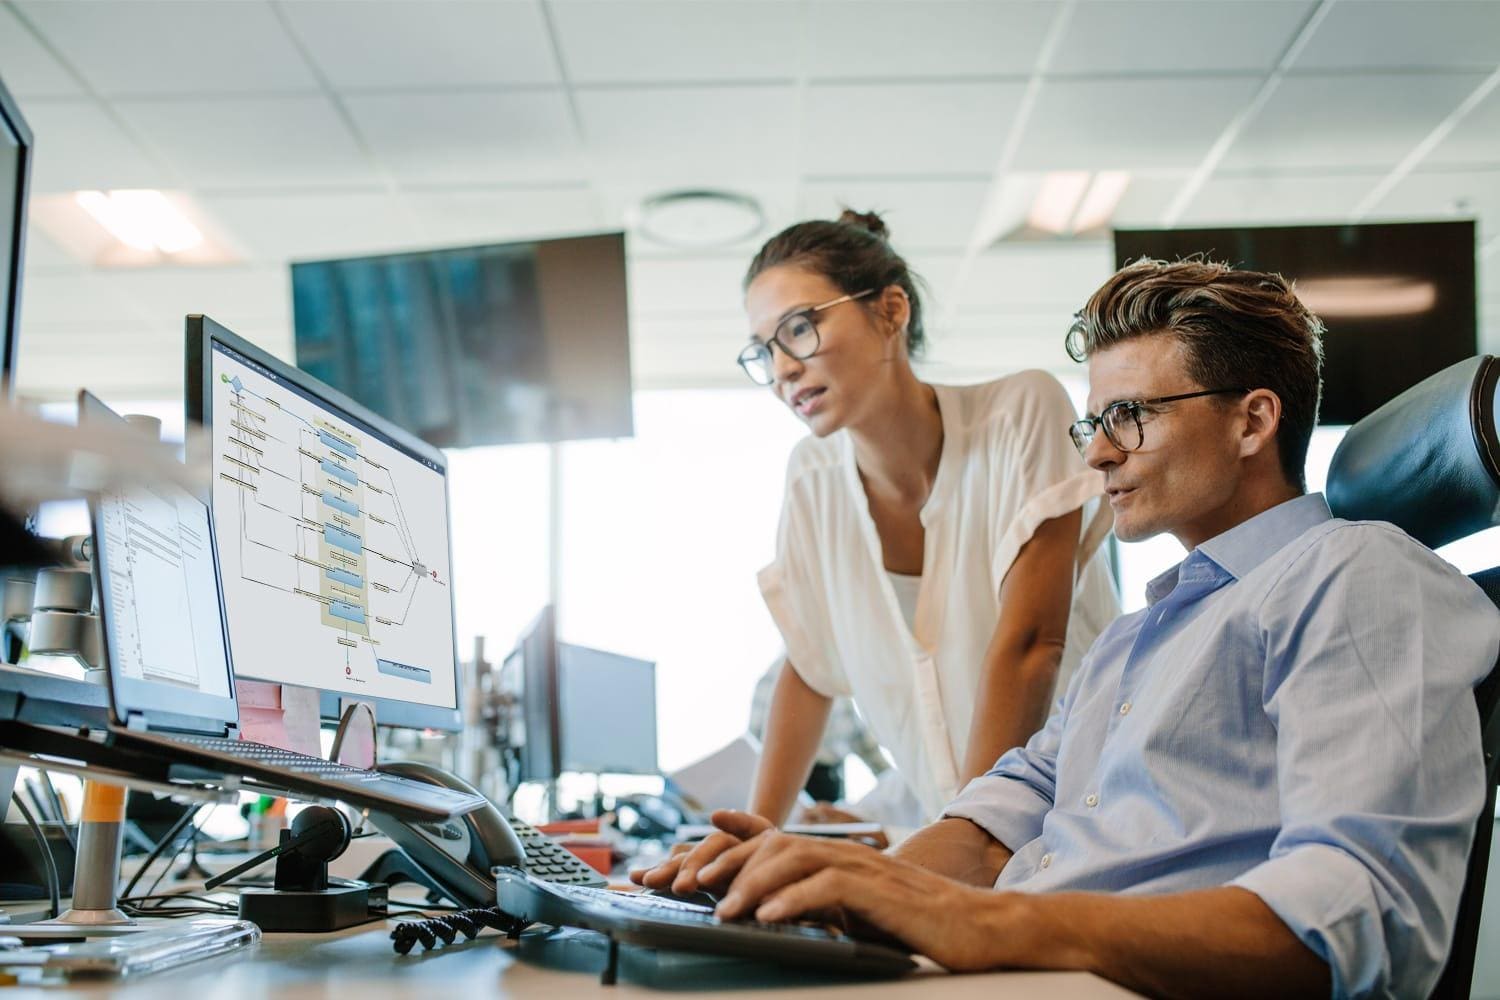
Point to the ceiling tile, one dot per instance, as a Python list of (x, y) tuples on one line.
[(42, 254), (1277, 199), (880, 39), (708, 136), (173, 47), (1173, 36), (879, 130), (79, 146), (30, 70), (1146, 201), (1437, 195), (671, 40), (700, 285), (397, 44), (1475, 138), (1399, 34), (457, 218), (1020, 277), (1125, 124), (235, 296), (1363, 120), (471, 138), (264, 142), (927, 214), (274, 228), (64, 300)]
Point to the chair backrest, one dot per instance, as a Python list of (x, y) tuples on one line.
[(1429, 462)]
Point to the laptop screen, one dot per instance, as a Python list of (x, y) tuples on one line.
[(163, 624)]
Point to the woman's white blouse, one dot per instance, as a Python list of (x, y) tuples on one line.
[(1007, 466)]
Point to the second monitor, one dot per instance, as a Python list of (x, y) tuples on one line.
[(332, 534)]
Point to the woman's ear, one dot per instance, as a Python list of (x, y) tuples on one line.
[(895, 308)]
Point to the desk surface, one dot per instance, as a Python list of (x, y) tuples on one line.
[(359, 963)]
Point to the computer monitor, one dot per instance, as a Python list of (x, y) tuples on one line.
[(540, 735), (332, 535), (159, 603), (15, 172), (607, 706)]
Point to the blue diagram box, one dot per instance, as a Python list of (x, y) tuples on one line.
[(345, 577), (393, 669), (348, 612), (334, 535), (337, 444), (339, 472), (339, 503)]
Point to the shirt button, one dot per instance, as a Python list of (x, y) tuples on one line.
[(1046, 860), (1091, 801), (1125, 708)]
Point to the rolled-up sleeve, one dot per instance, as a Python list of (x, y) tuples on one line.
[(1369, 683), (1010, 801)]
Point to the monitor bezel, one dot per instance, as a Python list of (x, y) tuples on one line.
[(158, 706), (202, 333), (540, 699), (10, 311), (574, 764)]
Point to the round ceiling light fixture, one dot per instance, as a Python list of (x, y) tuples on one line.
[(699, 220)]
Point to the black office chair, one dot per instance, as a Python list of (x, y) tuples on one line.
[(1429, 462)]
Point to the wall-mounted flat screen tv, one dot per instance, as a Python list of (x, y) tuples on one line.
[(501, 344), (1399, 299)]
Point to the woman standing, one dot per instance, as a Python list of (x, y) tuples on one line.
[(937, 559)]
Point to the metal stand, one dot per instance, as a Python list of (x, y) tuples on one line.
[(611, 964), (97, 872)]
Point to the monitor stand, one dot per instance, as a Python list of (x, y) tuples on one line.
[(7, 786), (96, 874)]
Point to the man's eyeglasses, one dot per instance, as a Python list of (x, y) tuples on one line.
[(796, 335), (1121, 420)]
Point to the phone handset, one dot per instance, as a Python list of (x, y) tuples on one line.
[(459, 853)]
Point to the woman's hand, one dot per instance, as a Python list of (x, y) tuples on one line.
[(827, 812), (682, 873)]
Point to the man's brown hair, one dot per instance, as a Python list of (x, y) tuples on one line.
[(1237, 328)]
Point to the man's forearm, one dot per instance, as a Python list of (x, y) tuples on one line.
[(1222, 942), (958, 849)]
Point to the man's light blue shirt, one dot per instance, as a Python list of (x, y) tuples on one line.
[(1292, 713)]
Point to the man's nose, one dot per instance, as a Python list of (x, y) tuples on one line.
[(1101, 453)]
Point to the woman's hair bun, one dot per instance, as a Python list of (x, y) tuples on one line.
[(868, 221)]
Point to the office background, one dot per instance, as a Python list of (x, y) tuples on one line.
[(296, 130)]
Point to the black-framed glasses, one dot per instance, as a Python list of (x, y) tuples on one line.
[(796, 335), (1121, 420)]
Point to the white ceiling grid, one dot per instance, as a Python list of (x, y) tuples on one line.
[(309, 128)]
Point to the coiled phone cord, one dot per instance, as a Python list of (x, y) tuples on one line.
[(406, 934)]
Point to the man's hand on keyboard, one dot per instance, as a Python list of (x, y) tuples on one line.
[(683, 872), (782, 877)]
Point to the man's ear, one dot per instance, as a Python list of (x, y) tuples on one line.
[(1262, 421)]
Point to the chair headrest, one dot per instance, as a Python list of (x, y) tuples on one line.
[(1429, 460)]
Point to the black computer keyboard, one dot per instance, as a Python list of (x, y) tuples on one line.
[(289, 760), (675, 910)]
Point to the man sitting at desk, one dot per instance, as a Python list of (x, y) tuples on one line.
[(1263, 783)]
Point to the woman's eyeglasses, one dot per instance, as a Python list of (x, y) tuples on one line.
[(796, 335)]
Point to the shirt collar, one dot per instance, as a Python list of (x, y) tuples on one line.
[(1248, 544)]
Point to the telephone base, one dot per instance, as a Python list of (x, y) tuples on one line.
[(312, 910)]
